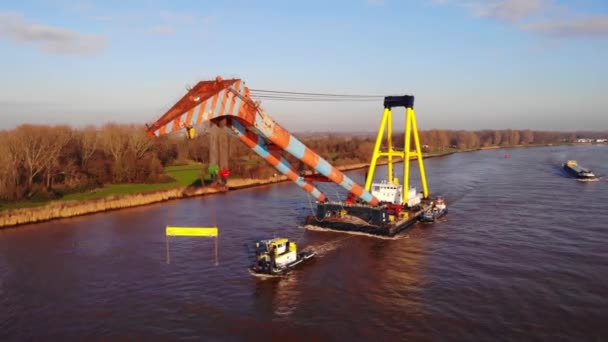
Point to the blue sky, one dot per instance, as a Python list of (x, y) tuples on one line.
[(539, 64)]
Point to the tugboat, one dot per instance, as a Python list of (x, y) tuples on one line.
[(572, 167), (277, 256), (438, 209)]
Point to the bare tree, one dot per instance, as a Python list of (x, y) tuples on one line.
[(89, 141), (139, 143), (124, 142), (57, 138), (497, 137), (462, 138), (9, 166), (434, 139), (505, 136), (444, 139), (29, 144), (527, 137), (114, 140), (513, 137)]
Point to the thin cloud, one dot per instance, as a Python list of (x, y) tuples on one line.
[(506, 10), (544, 17), (48, 38), (162, 30), (512, 10), (596, 26)]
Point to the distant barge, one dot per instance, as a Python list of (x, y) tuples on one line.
[(572, 167)]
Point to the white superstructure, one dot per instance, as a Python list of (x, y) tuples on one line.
[(387, 192)]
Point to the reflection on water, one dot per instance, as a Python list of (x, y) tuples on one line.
[(521, 255), (277, 296)]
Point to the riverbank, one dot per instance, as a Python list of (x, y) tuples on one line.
[(65, 209)]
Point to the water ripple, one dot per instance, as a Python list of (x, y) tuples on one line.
[(521, 256)]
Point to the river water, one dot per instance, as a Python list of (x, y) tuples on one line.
[(523, 254)]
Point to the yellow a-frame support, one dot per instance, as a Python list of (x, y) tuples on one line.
[(386, 124)]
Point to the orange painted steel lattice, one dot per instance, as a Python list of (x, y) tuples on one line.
[(224, 100)]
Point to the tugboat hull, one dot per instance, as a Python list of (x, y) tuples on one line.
[(433, 216), (578, 172), (268, 269)]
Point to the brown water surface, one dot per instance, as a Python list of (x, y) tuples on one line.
[(522, 255)]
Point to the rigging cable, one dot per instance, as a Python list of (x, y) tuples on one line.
[(264, 94), (296, 99), (262, 91)]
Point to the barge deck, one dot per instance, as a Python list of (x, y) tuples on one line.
[(380, 220)]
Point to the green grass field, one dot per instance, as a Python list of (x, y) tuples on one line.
[(119, 189), (19, 205), (183, 175)]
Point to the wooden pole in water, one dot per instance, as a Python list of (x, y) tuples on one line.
[(216, 259), (168, 256)]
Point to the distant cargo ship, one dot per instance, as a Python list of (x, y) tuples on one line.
[(572, 167)]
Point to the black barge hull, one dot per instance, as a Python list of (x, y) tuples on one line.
[(362, 228), (364, 219), (578, 173)]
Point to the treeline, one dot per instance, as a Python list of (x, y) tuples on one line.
[(38, 160), (442, 139), (42, 162)]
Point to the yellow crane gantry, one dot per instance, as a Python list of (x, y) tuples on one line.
[(386, 125)]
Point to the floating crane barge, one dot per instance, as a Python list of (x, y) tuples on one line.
[(397, 209), (381, 208)]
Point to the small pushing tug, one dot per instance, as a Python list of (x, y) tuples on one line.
[(438, 209), (277, 256)]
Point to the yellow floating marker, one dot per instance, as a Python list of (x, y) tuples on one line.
[(191, 231)]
